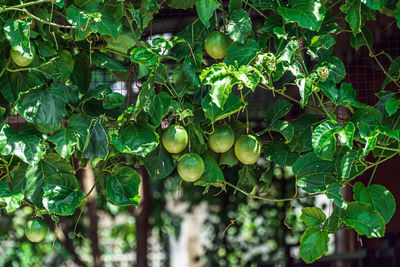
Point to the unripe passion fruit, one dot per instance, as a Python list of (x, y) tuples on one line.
[(247, 149), (175, 139), (190, 167), (36, 230), (222, 138), (216, 45)]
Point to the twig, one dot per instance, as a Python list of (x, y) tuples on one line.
[(237, 218)]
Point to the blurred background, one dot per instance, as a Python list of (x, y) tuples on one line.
[(186, 227)]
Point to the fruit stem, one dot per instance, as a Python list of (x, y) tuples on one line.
[(268, 199)]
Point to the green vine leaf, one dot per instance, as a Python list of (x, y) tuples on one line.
[(17, 33), (313, 244), (324, 140), (333, 193), (307, 13), (159, 163), (12, 199), (44, 107), (312, 216), (239, 26), (364, 220), (352, 9), (378, 197), (122, 187), (205, 10)]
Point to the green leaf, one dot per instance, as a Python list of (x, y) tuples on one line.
[(357, 40), (308, 13), (101, 60), (159, 163), (333, 223), (212, 173), (221, 81), (61, 194), (364, 220), (17, 33), (113, 100), (324, 140), (391, 106), (27, 147), (284, 127), (50, 165), (280, 154), (305, 85), (321, 46), (189, 73), (333, 193), (122, 187), (12, 199), (313, 174), (352, 9), (144, 56), (392, 133), (205, 10), (44, 107), (369, 135), (313, 244), (247, 177), (374, 4), (378, 196), (302, 126), (288, 52), (369, 115), (243, 54), (212, 112), (92, 138), (397, 14), (65, 142), (81, 75), (312, 216), (234, 4), (145, 97), (239, 26), (139, 139), (277, 111), (345, 96), (345, 163), (346, 134), (59, 67), (12, 84)]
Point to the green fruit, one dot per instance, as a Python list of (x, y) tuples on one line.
[(175, 139), (222, 138), (36, 230), (20, 60), (247, 149), (228, 158), (190, 167), (216, 45)]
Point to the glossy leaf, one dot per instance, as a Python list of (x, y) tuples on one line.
[(324, 140), (333, 193), (17, 33), (205, 10), (378, 196), (65, 141), (280, 154), (352, 9), (308, 13), (232, 105), (212, 173), (364, 220), (313, 174), (61, 194), (312, 216), (239, 26), (122, 187), (159, 163), (139, 139), (12, 199), (243, 54), (44, 107), (313, 244)]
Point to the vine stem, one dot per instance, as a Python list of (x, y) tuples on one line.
[(371, 53), (237, 218), (131, 28), (251, 196), (323, 107), (26, 4), (46, 22), (380, 156)]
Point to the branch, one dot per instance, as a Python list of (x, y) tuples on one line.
[(251, 196), (25, 5)]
